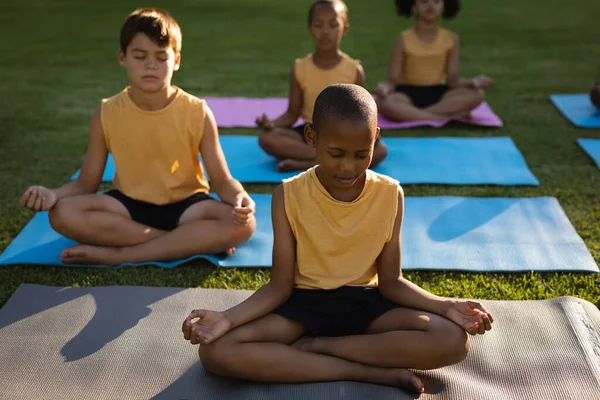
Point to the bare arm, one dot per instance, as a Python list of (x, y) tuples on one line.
[(229, 189), (291, 115), (394, 73), (211, 325), (393, 285), (40, 198), (453, 71), (361, 78), (279, 289)]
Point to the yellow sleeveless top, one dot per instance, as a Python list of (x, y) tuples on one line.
[(155, 152), (425, 63), (313, 79), (337, 243)]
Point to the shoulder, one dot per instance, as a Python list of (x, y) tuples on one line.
[(448, 37), (194, 101), (306, 60), (115, 99), (381, 179)]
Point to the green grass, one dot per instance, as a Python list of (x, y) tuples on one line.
[(59, 59)]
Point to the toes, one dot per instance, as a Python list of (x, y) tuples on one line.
[(411, 381)]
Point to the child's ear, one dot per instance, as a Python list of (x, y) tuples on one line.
[(121, 57), (310, 136), (177, 62), (377, 133)]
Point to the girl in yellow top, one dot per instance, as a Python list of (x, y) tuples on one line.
[(327, 24), (337, 306), (423, 80), (159, 207)]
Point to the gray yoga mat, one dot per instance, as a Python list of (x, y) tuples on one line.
[(126, 343)]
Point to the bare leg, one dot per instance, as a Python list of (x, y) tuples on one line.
[(399, 107), (261, 351), (205, 227), (379, 153), (98, 219), (286, 143), (457, 102), (403, 338)]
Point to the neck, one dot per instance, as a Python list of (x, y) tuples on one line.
[(327, 57), (426, 27), (152, 101)]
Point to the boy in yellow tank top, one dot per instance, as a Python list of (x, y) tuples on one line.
[(159, 208), (337, 306), (327, 24), (423, 80)]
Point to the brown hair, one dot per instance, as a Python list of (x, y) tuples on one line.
[(332, 4), (157, 24)]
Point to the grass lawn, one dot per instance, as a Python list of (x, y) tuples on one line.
[(58, 59)]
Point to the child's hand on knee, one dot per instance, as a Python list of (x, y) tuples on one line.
[(264, 122), (482, 82), (205, 326), (38, 198), (472, 316), (243, 209), (383, 89)]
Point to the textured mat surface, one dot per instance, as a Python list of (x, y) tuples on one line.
[(439, 233), (126, 343), (450, 161)]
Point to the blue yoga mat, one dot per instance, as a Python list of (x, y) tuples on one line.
[(578, 109), (439, 233), (38, 243), (452, 161), (592, 147)]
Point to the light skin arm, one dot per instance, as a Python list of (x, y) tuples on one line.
[(211, 325), (230, 190), (394, 74), (470, 315), (289, 117), (40, 198), (453, 71)]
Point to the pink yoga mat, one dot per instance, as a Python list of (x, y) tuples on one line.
[(231, 112)]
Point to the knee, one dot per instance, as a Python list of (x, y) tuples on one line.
[(595, 96), (213, 358), (241, 234), (59, 216), (379, 153), (266, 142), (454, 344)]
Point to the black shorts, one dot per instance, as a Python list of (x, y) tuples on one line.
[(423, 96), (300, 130), (339, 312), (165, 217)]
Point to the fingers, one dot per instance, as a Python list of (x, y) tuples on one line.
[(475, 305), (242, 215), (186, 328)]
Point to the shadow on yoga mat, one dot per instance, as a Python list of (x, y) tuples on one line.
[(439, 233), (578, 109), (537, 350), (452, 161)]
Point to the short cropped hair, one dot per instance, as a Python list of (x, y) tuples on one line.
[(344, 101), (332, 4), (157, 24), (451, 8)]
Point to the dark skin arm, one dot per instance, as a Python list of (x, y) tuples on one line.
[(289, 117), (470, 315), (205, 326), (394, 73)]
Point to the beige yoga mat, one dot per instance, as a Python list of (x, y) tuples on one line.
[(125, 343)]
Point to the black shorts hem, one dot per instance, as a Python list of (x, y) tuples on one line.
[(165, 217), (423, 96)]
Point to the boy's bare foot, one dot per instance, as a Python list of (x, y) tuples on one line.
[(88, 254), (290, 164), (400, 377)]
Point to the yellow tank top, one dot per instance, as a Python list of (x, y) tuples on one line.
[(313, 79), (155, 152), (337, 243), (425, 63)]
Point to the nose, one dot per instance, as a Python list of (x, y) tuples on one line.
[(150, 64), (347, 165)]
